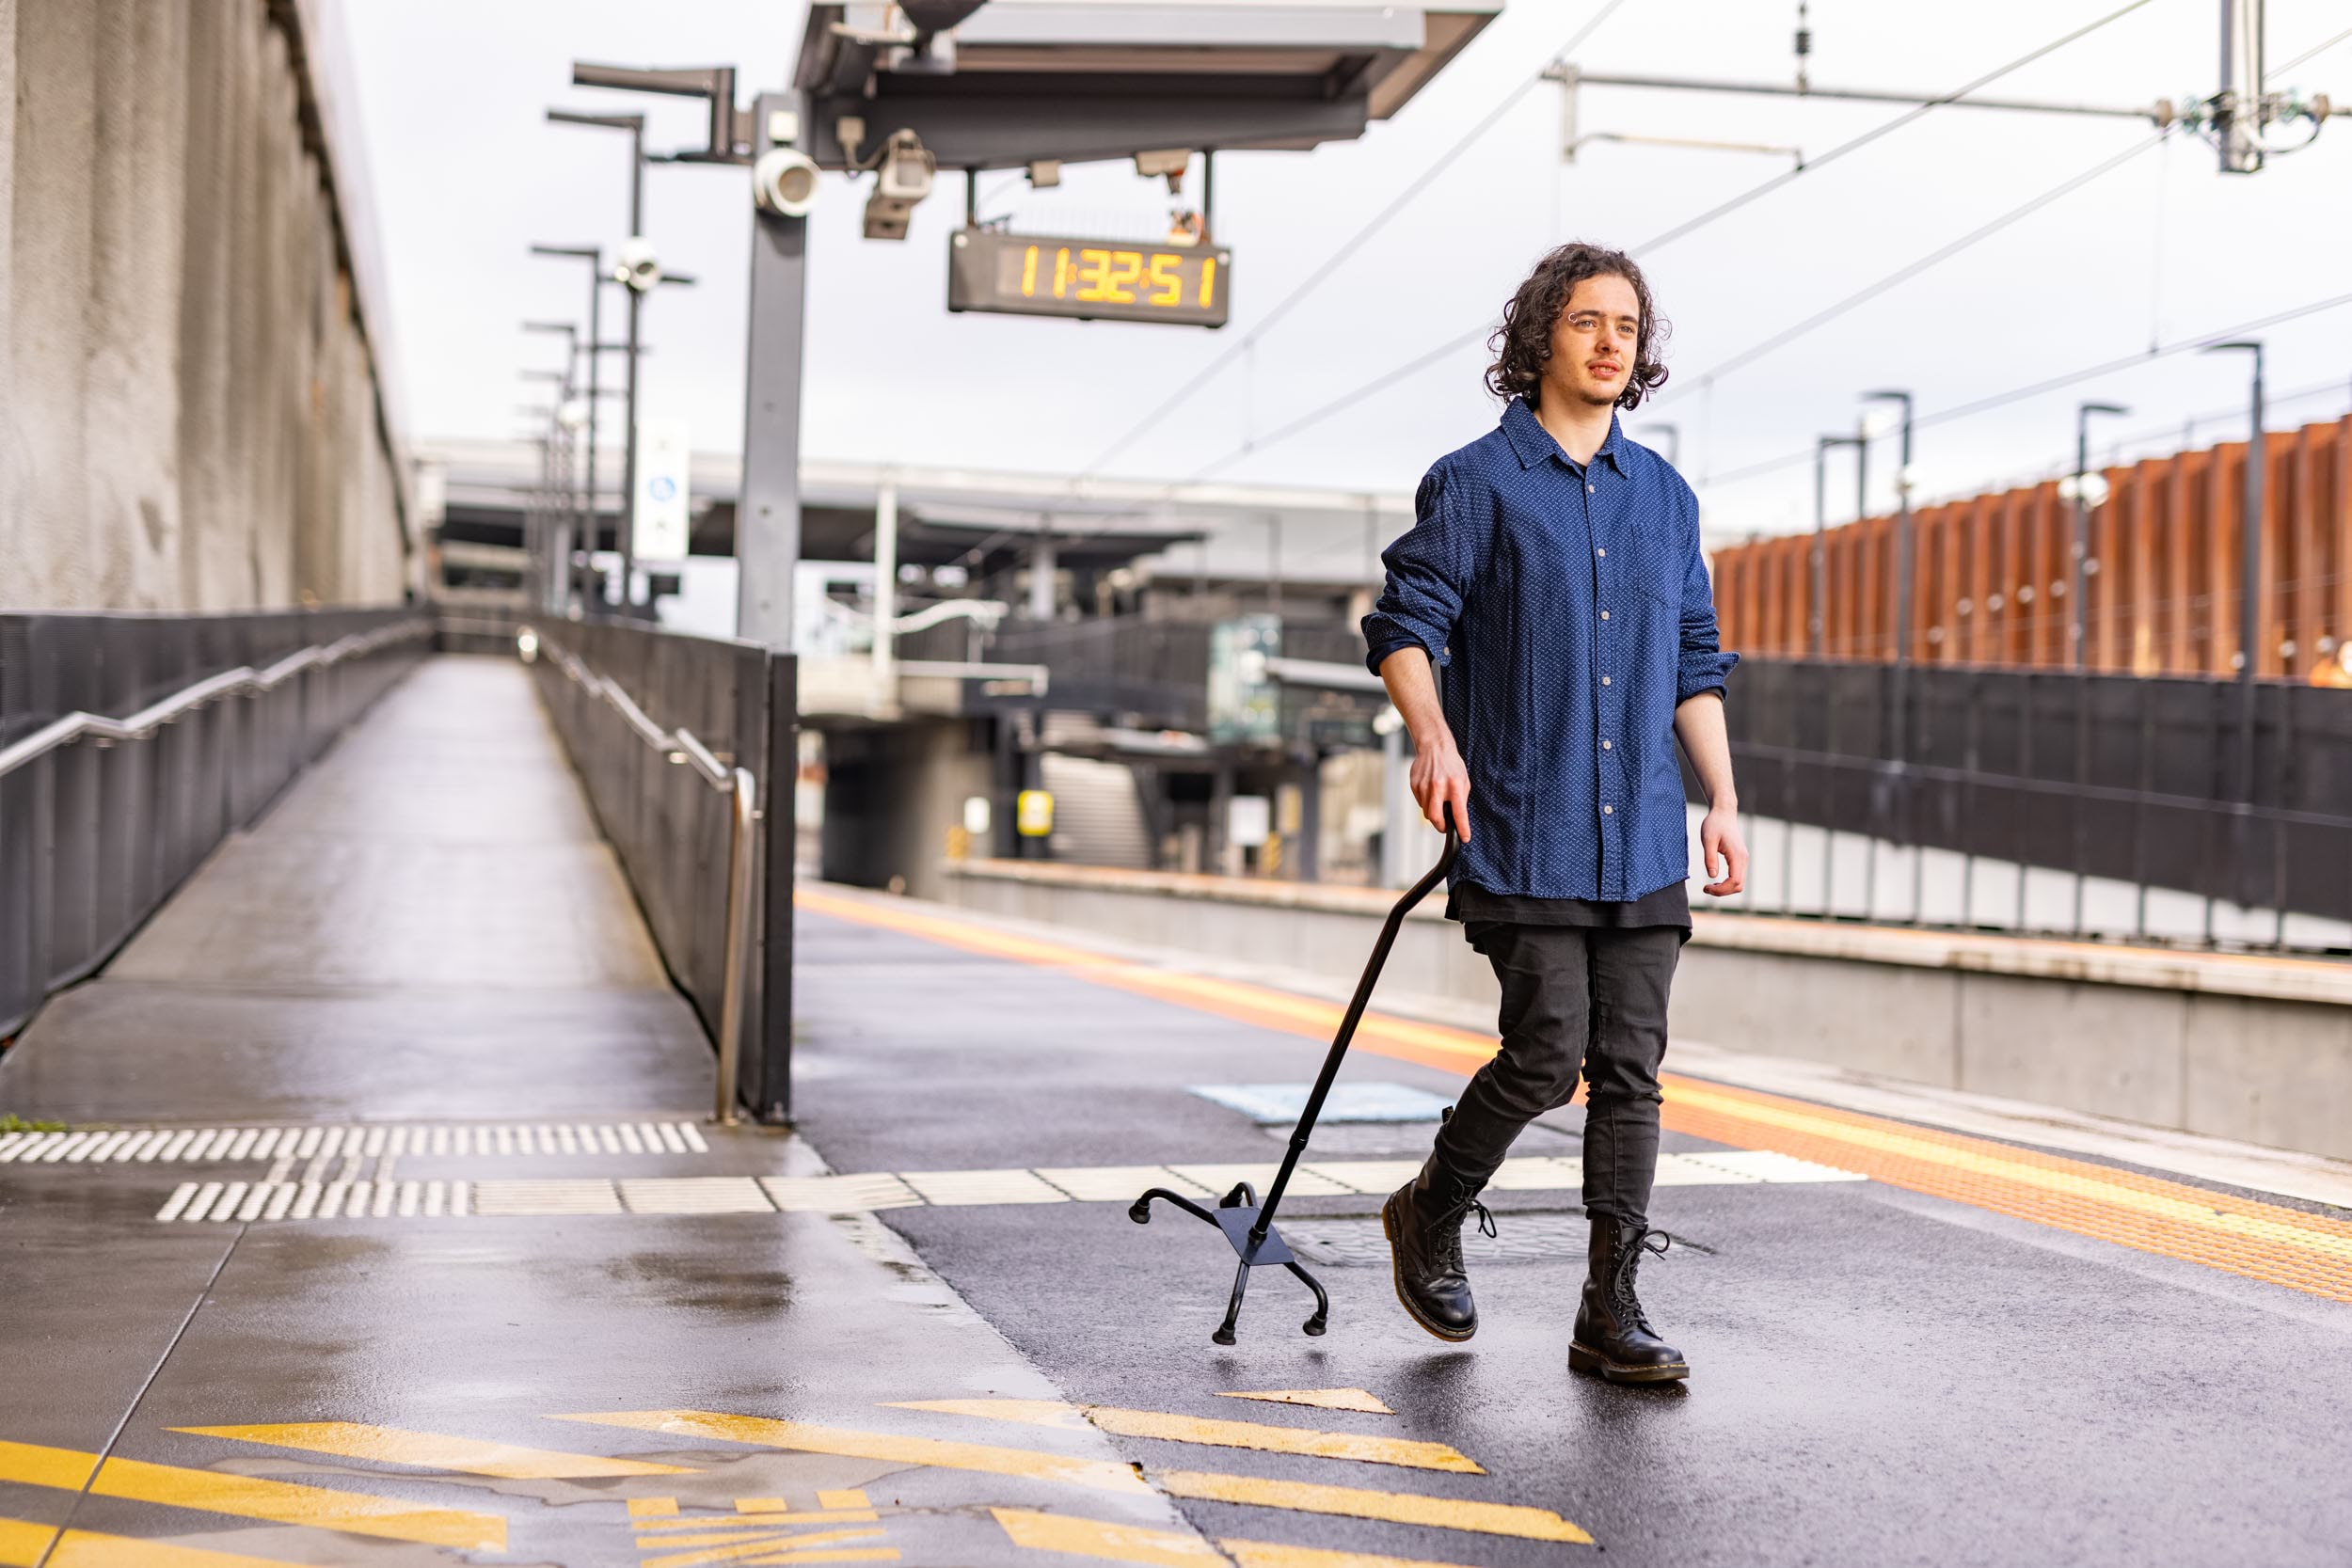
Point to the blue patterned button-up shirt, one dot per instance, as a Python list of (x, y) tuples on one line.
[(1569, 609)]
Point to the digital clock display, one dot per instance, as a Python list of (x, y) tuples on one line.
[(1036, 274)]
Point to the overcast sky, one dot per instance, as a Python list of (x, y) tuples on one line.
[(2163, 247)]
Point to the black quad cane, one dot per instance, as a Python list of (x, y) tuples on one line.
[(1249, 1224)]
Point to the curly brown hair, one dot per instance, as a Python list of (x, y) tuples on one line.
[(1522, 345)]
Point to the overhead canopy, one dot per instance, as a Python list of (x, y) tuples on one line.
[(1011, 82)]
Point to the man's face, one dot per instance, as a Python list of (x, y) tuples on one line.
[(1593, 342)]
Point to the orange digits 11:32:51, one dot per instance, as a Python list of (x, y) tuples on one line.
[(1118, 277)]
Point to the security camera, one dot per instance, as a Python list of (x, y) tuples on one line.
[(784, 182), (638, 267), (903, 178)]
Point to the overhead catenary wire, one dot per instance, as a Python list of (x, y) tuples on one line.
[(1380, 382), (2056, 383), (1353, 243), (2309, 54), (1912, 269)]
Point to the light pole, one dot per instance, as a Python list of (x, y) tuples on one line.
[(1898, 727), (2250, 561), (590, 527), (1817, 625), (639, 278), (2087, 496), (557, 588)]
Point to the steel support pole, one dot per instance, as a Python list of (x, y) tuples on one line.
[(767, 514), (590, 532), (886, 593), (2250, 635), (636, 308)]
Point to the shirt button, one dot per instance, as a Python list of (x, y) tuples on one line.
[(1604, 616), (1604, 680), (1608, 811), (1592, 489), (1601, 552), (1604, 745)]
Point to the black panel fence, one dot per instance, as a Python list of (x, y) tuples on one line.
[(673, 831), (96, 833), (2126, 790)]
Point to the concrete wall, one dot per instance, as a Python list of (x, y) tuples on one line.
[(191, 413), (891, 794), (2234, 1046)]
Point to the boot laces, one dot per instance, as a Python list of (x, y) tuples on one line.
[(1449, 1247), (1629, 1261)]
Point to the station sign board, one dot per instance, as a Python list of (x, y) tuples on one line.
[(1040, 275)]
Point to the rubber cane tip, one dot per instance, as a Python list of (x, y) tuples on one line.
[(1315, 1326), (1140, 1211), (1223, 1337)]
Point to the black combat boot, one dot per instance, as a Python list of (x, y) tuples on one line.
[(1612, 1337), (1423, 1219)]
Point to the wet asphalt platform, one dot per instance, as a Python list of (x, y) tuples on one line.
[(387, 1230)]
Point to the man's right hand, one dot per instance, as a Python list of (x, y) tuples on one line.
[(1439, 779)]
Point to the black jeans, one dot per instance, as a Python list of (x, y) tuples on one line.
[(1575, 999)]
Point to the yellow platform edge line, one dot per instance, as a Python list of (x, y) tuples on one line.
[(1409, 1454), (2228, 1221)]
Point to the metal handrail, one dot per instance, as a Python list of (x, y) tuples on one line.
[(243, 681), (683, 748)]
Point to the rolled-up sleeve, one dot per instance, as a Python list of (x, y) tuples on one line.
[(1430, 569), (1702, 665)]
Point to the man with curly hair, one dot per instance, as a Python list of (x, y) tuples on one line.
[(1553, 571)]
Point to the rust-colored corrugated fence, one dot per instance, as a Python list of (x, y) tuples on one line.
[(1992, 572)]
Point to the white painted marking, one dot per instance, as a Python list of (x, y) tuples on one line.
[(254, 1201), (1766, 1164), (279, 1169), (309, 1144), (1535, 1173), (630, 1140), (306, 1200), (105, 1147), (651, 1138), (400, 1142), (355, 1201), (266, 1145), (945, 1188), (241, 1145), (385, 1168), (411, 1195), (839, 1195), (608, 1140), (435, 1199), (70, 1145), (281, 1199), (1372, 1178), (670, 1139), (693, 1137), (1220, 1180), (546, 1140), (225, 1207), (441, 1140), (331, 1200), (1118, 1184), (567, 1139), (375, 1142), (332, 1144), (546, 1198), (384, 1194), (154, 1146), (8, 1142), (316, 1170), (205, 1140), (1681, 1170), (202, 1201), (694, 1195), (177, 1202), (461, 1198)]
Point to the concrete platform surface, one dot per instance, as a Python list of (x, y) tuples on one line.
[(410, 1247)]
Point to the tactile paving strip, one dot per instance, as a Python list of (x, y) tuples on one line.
[(220, 1145)]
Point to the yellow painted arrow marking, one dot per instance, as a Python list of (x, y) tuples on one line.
[(802, 1437), (1398, 1507), (23, 1544), (1323, 1399), (434, 1452), (246, 1497), (1403, 1451)]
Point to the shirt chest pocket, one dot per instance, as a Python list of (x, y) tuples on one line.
[(1653, 564)]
